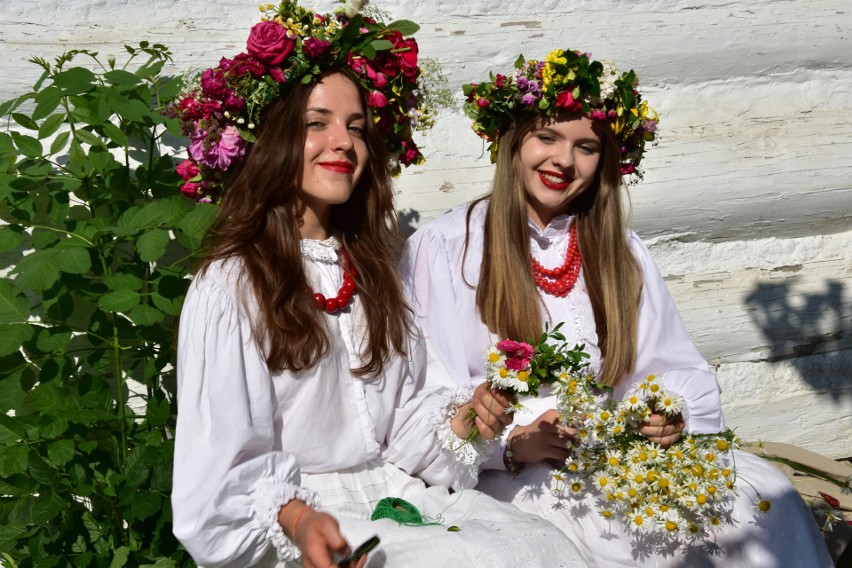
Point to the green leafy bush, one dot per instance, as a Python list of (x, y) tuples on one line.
[(95, 245)]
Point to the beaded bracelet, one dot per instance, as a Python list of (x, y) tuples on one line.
[(514, 468)]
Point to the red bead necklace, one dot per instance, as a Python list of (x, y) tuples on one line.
[(344, 294), (560, 281)]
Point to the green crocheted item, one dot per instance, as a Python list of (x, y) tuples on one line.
[(402, 512)]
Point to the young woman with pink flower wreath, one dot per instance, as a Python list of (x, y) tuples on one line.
[(302, 395), (549, 245)]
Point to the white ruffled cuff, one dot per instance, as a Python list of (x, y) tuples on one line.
[(269, 496), (471, 454)]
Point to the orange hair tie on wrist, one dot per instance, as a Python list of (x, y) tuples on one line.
[(296, 522)]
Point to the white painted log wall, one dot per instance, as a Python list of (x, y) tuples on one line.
[(747, 199)]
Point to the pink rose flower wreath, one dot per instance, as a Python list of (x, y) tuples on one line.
[(224, 106)]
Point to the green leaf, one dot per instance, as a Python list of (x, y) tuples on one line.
[(122, 78), (119, 301), (50, 125), (115, 134), (14, 306), (194, 225), (61, 452), (74, 260), (89, 138), (405, 27), (37, 271), (74, 81), (59, 142), (52, 339), (152, 245), (145, 504), (146, 315), (453, 528), (46, 102), (158, 412), (11, 430), (381, 44), (9, 535), (24, 121), (123, 281), (13, 459), (13, 336), (12, 392), (28, 145), (119, 558), (9, 238)]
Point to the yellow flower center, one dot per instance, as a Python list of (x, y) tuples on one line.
[(523, 376)]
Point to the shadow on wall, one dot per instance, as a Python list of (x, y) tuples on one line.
[(812, 332), (408, 219)]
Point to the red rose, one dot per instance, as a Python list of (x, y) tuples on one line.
[(269, 43), (565, 100)]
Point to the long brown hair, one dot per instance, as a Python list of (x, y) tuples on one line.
[(507, 297), (258, 222)]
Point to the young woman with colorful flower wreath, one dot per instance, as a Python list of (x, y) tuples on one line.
[(549, 244), (302, 394)]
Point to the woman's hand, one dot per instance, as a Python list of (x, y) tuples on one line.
[(317, 535), (662, 430), (491, 416), (545, 439)]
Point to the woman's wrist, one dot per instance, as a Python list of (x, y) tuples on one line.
[(461, 423), (509, 456), (289, 516)]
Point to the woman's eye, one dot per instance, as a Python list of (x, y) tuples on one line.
[(315, 124), (546, 138), (589, 149), (357, 129)]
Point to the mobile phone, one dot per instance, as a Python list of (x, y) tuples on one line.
[(360, 551)]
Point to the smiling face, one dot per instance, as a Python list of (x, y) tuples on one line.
[(559, 161), (335, 151)]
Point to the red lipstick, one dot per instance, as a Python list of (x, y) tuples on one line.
[(338, 166), (547, 180)]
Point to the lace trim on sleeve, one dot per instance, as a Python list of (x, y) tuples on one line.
[(470, 454), (269, 496)]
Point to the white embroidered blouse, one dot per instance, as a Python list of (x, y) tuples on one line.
[(244, 434)]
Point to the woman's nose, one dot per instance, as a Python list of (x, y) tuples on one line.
[(340, 137)]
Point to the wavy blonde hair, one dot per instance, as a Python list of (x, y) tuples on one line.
[(507, 297)]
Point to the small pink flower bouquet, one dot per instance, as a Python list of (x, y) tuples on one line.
[(520, 368)]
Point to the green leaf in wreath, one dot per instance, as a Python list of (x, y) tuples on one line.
[(405, 27)]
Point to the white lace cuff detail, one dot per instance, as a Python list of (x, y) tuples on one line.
[(269, 496), (469, 453)]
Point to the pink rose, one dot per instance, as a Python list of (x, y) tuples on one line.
[(627, 169), (190, 189), (187, 170), (213, 83), (597, 115), (406, 53), (409, 154), (268, 42), (315, 47), (217, 154), (190, 108), (377, 99), (483, 103), (518, 354), (277, 75), (234, 103)]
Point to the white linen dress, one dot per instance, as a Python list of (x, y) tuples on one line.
[(248, 441), (442, 293)]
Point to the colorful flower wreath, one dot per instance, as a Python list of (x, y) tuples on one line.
[(566, 81), (293, 45)]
